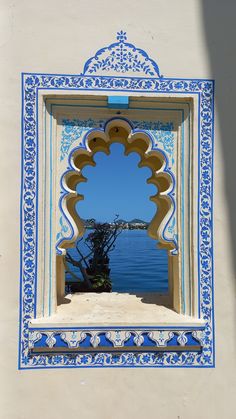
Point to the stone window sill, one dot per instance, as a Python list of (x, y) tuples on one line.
[(116, 309)]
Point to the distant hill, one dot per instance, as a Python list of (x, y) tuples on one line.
[(137, 220)]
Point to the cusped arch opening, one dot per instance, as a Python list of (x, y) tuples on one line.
[(99, 140)]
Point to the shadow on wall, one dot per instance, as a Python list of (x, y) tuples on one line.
[(220, 35)]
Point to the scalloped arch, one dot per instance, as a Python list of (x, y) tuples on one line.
[(119, 130)]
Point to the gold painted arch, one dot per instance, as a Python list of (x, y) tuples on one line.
[(119, 130)]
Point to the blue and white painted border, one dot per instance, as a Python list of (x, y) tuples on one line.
[(32, 83), (83, 340)]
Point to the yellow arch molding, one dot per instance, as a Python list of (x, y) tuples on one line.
[(119, 131)]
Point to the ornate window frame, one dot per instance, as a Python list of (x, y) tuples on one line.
[(160, 346)]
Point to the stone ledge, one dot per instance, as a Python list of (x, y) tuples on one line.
[(116, 309)]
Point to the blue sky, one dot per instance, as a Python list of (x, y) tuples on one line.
[(116, 186)]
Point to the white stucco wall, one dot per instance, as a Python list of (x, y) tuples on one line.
[(191, 39)]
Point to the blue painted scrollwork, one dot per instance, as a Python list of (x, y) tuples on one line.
[(122, 57)]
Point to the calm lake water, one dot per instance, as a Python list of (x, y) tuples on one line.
[(136, 263)]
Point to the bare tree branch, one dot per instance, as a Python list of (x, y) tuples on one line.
[(100, 242)]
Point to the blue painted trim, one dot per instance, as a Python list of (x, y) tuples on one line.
[(115, 77), (123, 99), (45, 193), (118, 102), (146, 327), (163, 87), (36, 232), (198, 210), (212, 223), (50, 222), (190, 203), (83, 89), (117, 366), (94, 99), (21, 212), (183, 217)]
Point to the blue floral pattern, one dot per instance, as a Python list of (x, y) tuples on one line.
[(163, 134), (122, 57), (63, 229), (74, 130)]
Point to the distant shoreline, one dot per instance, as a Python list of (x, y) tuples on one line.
[(124, 225), (145, 227)]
